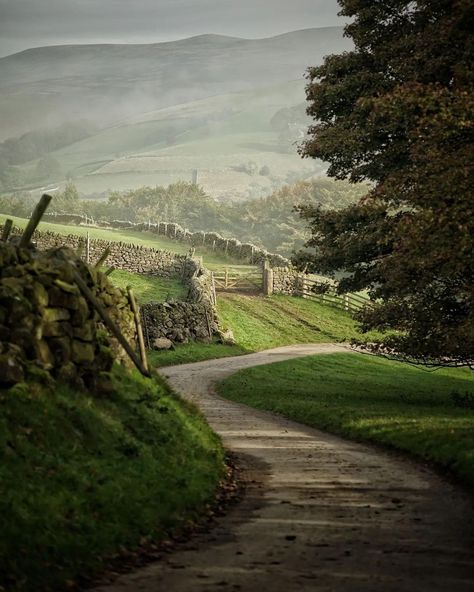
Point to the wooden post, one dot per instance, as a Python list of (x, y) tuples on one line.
[(226, 277), (109, 323), (35, 219), (102, 258), (208, 323), (88, 248), (214, 296), (7, 228), (346, 302), (138, 325)]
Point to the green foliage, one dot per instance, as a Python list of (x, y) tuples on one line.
[(398, 111), (371, 399), (39, 143), (178, 201), (81, 476), (271, 222)]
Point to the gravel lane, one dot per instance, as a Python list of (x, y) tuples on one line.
[(320, 513)]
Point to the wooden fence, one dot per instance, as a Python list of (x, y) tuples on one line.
[(349, 302), (238, 278)]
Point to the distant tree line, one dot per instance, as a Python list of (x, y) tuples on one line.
[(37, 146), (269, 222)]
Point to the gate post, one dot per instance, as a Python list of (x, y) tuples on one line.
[(267, 280)]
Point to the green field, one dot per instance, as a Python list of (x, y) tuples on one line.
[(428, 414), (149, 288), (260, 322), (212, 135), (84, 476), (147, 239)]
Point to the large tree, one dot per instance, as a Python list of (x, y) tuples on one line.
[(397, 111)]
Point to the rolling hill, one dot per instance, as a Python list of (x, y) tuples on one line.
[(167, 109)]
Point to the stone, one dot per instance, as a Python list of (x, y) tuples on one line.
[(11, 369), (84, 333), (227, 337), (40, 295), (53, 329), (162, 343), (61, 349), (82, 352), (44, 355), (52, 315)]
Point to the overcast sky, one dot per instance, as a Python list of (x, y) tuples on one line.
[(33, 23)]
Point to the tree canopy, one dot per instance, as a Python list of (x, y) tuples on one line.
[(397, 111)]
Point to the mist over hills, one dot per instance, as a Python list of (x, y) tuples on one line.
[(227, 107), (48, 85)]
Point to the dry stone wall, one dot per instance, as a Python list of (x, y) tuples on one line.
[(134, 258), (47, 325), (193, 319), (287, 280), (245, 252)]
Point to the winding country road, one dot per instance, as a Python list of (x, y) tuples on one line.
[(320, 513)]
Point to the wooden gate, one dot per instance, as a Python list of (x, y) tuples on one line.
[(239, 278)]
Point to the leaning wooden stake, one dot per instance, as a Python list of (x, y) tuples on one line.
[(7, 228), (138, 325), (110, 270), (109, 323), (102, 258), (35, 219), (88, 248)]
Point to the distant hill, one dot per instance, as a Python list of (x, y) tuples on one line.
[(104, 83)]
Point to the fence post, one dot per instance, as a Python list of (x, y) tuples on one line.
[(226, 276), (138, 326), (346, 302), (7, 228), (35, 220)]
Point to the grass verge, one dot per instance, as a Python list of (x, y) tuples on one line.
[(428, 414), (82, 476)]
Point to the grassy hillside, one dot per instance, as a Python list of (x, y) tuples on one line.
[(428, 414), (165, 110), (215, 136), (82, 476), (264, 322)]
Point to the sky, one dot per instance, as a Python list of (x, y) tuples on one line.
[(34, 23)]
